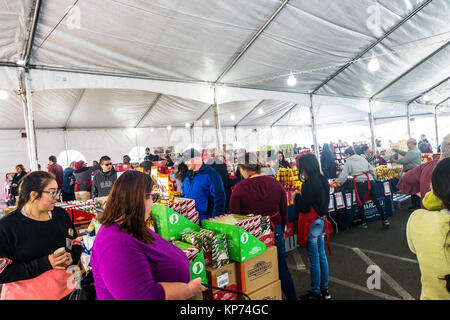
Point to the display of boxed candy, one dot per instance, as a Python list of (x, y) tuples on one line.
[(196, 259), (185, 207), (214, 246), (289, 179), (169, 224), (242, 234), (383, 172)]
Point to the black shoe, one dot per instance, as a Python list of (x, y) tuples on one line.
[(325, 293), (311, 296), (386, 224)]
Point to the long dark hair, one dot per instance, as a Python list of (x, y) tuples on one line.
[(182, 170), (126, 205), (440, 181), (34, 181), (308, 163)]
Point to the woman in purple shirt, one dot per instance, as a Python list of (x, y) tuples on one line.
[(130, 261)]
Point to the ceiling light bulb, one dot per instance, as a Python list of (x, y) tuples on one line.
[(373, 65), (152, 130), (232, 117), (426, 97), (3, 94), (291, 81), (207, 122), (392, 112), (260, 111), (188, 125), (169, 128), (366, 118), (20, 62)]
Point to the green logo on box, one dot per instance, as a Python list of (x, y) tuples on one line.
[(197, 268), (244, 238), (173, 219)]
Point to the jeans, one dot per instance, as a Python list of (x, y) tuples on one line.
[(361, 188), (287, 284), (315, 249)]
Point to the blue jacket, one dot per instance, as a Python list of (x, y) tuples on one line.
[(67, 177), (206, 188)]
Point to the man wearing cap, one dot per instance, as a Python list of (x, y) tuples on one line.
[(411, 159), (204, 185), (126, 159), (148, 155)]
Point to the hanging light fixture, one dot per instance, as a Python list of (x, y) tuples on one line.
[(291, 81), (373, 65), (169, 128), (188, 125), (4, 94), (20, 62), (207, 122), (152, 130), (260, 111), (426, 97), (232, 117)]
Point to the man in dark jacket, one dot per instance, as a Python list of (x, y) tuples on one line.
[(68, 188), (148, 155), (57, 171), (104, 179), (204, 185), (220, 166)]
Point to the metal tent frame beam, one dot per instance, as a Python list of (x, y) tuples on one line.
[(149, 109), (284, 114), (75, 106), (372, 46), (439, 103), (411, 69), (29, 45), (250, 112), (251, 41), (428, 90)]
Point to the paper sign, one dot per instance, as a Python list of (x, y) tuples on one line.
[(387, 189), (348, 200), (339, 200), (331, 205), (354, 197), (222, 280)]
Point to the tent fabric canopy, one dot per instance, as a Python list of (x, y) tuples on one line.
[(102, 64)]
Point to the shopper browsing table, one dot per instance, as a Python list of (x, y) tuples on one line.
[(264, 195), (418, 180), (17, 178), (363, 180), (312, 204), (104, 179), (282, 162), (29, 237), (56, 170), (428, 235), (412, 159), (130, 261), (204, 185)]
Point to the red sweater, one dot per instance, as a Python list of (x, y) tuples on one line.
[(262, 195), (418, 179)]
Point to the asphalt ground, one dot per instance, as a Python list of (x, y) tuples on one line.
[(353, 250)]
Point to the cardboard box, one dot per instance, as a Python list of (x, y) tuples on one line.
[(224, 277), (241, 244), (170, 224), (259, 271), (271, 291)]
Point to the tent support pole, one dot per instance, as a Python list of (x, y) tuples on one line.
[(314, 132), (235, 134), (191, 131), (217, 121), (27, 129), (436, 127), (66, 148), (31, 134), (372, 128), (408, 119)]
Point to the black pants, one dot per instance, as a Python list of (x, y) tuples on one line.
[(362, 188)]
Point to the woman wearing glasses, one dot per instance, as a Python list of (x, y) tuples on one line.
[(38, 243), (130, 261)]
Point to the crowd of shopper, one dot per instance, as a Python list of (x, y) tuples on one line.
[(129, 261)]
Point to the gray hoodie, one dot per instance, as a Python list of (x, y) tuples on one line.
[(356, 165), (103, 183)]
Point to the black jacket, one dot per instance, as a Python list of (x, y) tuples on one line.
[(16, 180), (315, 194), (222, 170), (284, 164)]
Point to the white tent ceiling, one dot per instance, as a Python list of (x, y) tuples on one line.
[(123, 63)]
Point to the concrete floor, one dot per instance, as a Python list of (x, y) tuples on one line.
[(353, 250)]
